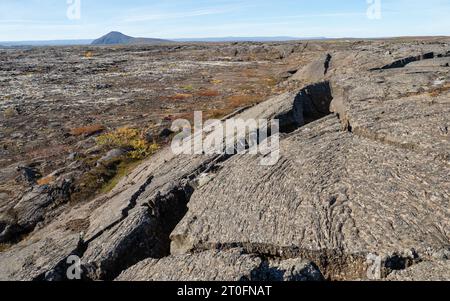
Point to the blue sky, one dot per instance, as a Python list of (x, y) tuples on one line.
[(47, 19)]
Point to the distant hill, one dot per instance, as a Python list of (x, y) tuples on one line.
[(117, 38)]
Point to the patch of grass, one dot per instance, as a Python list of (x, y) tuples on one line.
[(233, 103), (246, 87), (216, 81), (270, 82), (131, 139), (102, 178), (123, 169), (180, 96), (87, 130), (249, 73), (219, 113), (91, 182), (237, 101)]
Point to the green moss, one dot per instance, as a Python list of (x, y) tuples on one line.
[(123, 169), (102, 178), (92, 181), (189, 88)]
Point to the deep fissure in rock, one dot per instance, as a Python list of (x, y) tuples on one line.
[(165, 211), (49, 199), (151, 239), (334, 265), (327, 63), (310, 104), (266, 272), (59, 271), (405, 61)]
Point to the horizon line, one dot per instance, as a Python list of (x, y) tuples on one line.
[(175, 39)]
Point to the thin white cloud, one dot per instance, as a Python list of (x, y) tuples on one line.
[(187, 14)]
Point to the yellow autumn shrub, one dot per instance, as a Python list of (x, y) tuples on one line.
[(131, 139)]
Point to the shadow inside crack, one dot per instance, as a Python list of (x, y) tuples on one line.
[(405, 61), (310, 104)]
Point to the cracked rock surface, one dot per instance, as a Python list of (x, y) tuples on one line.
[(232, 265), (363, 171), (425, 271)]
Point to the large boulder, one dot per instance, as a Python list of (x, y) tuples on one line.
[(424, 271)]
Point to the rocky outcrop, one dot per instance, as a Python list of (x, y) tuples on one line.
[(425, 271), (36, 203), (364, 171), (314, 71), (232, 265)]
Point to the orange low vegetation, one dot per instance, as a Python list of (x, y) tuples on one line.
[(87, 130), (208, 93), (270, 82), (249, 73), (440, 90), (218, 113), (233, 103), (188, 116), (45, 181), (180, 96), (237, 101)]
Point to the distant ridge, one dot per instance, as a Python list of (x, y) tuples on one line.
[(45, 43), (247, 39), (118, 38)]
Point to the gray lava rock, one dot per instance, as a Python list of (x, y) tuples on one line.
[(165, 133), (149, 137), (230, 265), (424, 271), (111, 155), (315, 71), (372, 178), (29, 174)]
